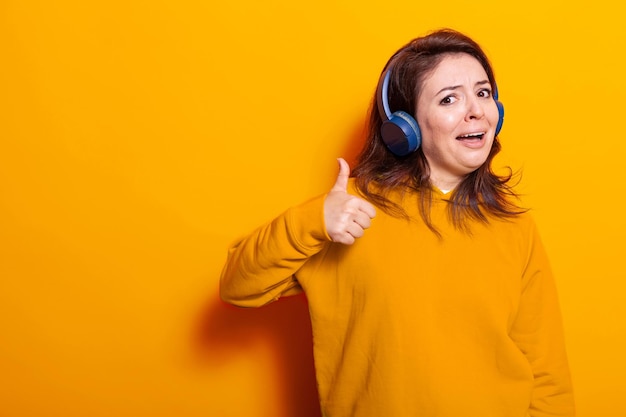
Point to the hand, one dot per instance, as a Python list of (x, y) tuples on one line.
[(346, 216)]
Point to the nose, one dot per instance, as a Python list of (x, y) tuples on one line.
[(475, 108)]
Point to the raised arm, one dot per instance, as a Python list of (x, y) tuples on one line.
[(260, 268)]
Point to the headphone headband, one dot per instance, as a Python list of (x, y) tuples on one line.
[(383, 88)]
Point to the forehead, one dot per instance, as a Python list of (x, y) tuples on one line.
[(455, 70)]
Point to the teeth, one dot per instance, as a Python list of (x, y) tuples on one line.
[(470, 135)]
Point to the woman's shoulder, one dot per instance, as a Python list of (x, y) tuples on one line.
[(521, 225)]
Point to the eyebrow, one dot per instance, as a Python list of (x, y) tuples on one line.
[(454, 87)]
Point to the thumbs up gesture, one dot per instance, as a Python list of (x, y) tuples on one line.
[(346, 216)]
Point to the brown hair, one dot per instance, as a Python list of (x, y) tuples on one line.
[(480, 194)]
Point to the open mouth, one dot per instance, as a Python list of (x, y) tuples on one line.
[(476, 136)]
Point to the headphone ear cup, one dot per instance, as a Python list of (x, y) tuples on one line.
[(500, 116), (401, 133)]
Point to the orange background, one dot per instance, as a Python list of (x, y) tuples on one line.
[(138, 139)]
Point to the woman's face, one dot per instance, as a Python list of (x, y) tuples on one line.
[(457, 116)]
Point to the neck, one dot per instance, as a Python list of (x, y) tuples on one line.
[(445, 185)]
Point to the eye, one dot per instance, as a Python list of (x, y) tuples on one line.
[(447, 100), (485, 92)]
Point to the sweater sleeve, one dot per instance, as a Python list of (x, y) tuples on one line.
[(260, 268), (538, 332)]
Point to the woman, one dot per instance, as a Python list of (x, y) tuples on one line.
[(429, 290)]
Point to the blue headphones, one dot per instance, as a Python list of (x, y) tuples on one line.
[(400, 130)]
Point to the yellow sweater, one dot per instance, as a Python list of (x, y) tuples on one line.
[(407, 324)]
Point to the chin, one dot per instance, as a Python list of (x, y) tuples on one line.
[(473, 164)]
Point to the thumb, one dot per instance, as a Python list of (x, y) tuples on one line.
[(342, 178)]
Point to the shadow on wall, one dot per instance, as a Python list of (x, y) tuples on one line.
[(224, 331), (356, 143)]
